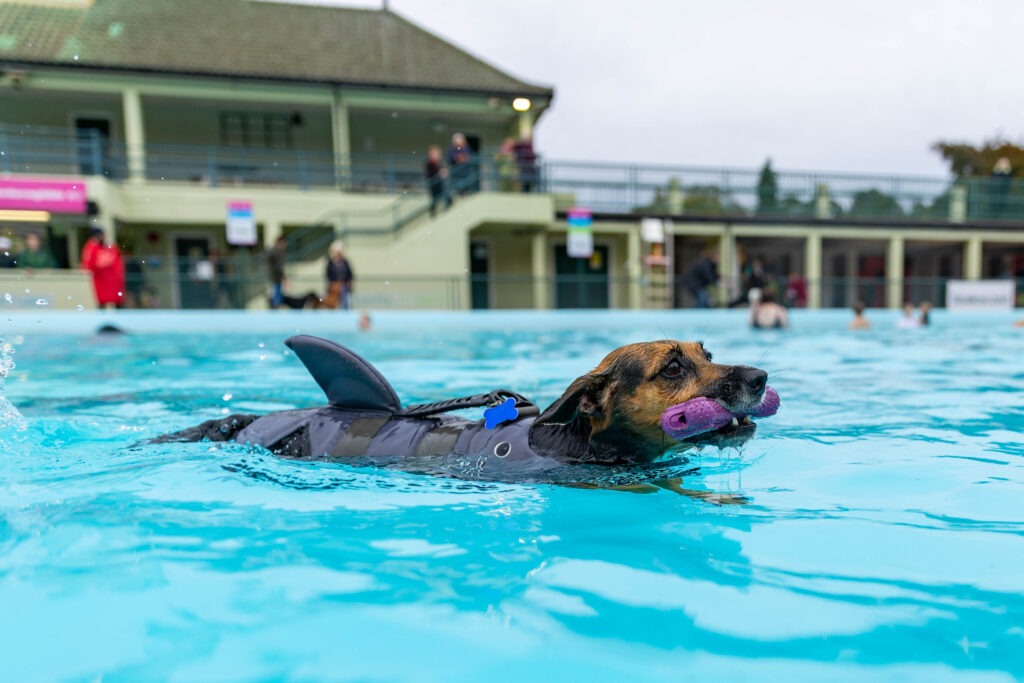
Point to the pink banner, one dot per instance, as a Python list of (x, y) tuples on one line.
[(55, 196)]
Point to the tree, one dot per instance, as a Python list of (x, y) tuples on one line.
[(710, 200), (967, 160), (874, 204), (937, 209), (767, 190)]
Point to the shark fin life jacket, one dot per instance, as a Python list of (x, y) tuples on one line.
[(347, 379), (365, 418)]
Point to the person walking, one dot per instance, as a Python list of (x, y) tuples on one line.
[(699, 277), (276, 258), (339, 278), (436, 180)]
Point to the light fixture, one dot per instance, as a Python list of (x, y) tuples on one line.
[(15, 216), (521, 104)]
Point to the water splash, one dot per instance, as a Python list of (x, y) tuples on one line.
[(10, 418)]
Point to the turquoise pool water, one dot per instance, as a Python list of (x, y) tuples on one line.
[(882, 540)]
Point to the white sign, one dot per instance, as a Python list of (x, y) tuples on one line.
[(580, 242), (652, 230), (980, 295), (241, 226)]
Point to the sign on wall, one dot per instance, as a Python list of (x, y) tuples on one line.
[(980, 295), (241, 226), (652, 230), (55, 196), (580, 243)]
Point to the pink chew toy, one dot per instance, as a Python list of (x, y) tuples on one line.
[(703, 414)]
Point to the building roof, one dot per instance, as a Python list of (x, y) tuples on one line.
[(247, 39)]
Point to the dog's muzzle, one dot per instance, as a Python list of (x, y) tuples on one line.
[(703, 414)]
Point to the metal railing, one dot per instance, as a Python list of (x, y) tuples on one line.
[(241, 280), (603, 187)]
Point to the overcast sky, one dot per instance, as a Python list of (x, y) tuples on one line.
[(842, 85)]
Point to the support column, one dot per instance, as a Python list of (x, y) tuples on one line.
[(972, 258), (539, 270), (727, 266), (812, 269), (958, 204), (634, 268), (340, 134), (525, 124), (894, 272), (134, 135), (271, 231), (852, 276)]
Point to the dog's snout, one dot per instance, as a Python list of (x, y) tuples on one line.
[(755, 379)]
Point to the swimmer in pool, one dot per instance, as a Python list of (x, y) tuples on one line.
[(859, 322), (926, 309), (765, 313), (908, 321)]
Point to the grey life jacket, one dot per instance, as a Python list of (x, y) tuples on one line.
[(365, 421)]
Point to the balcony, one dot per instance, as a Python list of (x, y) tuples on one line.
[(610, 188)]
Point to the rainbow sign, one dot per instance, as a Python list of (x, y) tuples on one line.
[(241, 226), (580, 242)]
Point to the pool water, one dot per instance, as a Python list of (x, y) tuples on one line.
[(882, 540)]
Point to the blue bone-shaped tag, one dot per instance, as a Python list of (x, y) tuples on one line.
[(503, 412)]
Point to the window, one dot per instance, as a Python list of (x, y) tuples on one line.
[(256, 129)]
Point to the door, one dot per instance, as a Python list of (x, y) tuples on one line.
[(580, 282), (480, 274), (92, 137), (195, 272)]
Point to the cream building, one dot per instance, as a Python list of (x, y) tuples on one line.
[(313, 122)]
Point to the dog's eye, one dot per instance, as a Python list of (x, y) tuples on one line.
[(673, 370)]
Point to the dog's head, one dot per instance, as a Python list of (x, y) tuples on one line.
[(615, 411)]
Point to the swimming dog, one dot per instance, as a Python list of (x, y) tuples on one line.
[(614, 415)]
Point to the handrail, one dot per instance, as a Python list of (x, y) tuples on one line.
[(312, 241), (603, 186)]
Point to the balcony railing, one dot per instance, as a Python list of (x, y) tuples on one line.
[(603, 187), (243, 279)]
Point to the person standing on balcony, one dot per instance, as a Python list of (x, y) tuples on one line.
[(460, 164), (1002, 173), (526, 158), (436, 175), (34, 255), (339, 278), (275, 261), (507, 166), (105, 263)]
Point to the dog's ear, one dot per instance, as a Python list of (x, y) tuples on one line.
[(587, 396)]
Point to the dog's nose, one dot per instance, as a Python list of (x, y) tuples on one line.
[(755, 379)]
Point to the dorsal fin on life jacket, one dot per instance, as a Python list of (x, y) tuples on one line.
[(347, 379)]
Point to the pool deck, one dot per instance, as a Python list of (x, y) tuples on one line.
[(20, 321)]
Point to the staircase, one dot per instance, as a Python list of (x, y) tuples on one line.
[(403, 257), (658, 272)]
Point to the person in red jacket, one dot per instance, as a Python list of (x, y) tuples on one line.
[(107, 267)]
